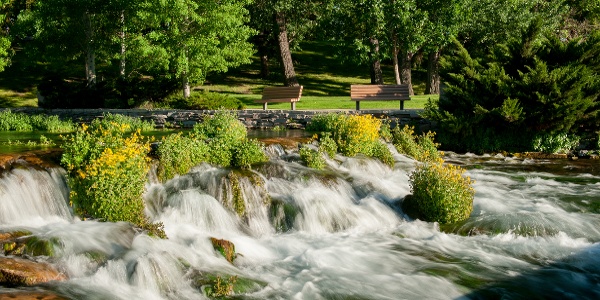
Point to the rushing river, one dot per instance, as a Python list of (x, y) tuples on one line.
[(534, 233)]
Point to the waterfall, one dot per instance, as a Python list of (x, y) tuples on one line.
[(337, 233), (33, 197)]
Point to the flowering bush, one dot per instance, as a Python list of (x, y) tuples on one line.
[(108, 172), (441, 192), (352, 134)]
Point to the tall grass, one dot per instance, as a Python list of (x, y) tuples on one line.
[(15, 121)]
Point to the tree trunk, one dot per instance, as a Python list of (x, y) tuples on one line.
[(289, 74), (406, 72), (187, 90), (123, 47), (264, 66), (90, 55), (395, 51), (432, 85), (376, 73), (261, 44)]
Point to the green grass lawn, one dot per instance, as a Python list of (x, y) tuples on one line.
[(334, 102)]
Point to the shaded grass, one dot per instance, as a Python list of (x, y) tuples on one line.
[(18, 85)]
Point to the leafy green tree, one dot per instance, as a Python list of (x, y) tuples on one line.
[(492, 22), (281, 26), (5, 42), (199, 37), (359, 27), (444, 19), (404, 23)]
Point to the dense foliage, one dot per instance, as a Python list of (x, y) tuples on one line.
[(441, 192), (107, 168), (220, 140), (15, 121), (205, 101), (352, 134), (532, 88), (421, 148)]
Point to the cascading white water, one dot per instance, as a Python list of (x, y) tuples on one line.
[(336, 234), (30, 197)]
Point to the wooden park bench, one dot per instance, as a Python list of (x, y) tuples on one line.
[(359, 92), (280, 94)]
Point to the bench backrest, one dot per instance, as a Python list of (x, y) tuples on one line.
[(291, 93), (379, 92)]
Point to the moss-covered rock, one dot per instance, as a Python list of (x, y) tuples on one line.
[(225, 247), (216, 285), (21, 272), (283, 215), (242, 191), (23, 243)]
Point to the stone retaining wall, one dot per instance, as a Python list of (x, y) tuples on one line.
[(252, 118)]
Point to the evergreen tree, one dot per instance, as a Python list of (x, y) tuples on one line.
[(521, 87)]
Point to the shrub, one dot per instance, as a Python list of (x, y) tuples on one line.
[(381, 151), (327, 145), (247, 153), (107, 173), (555, 143), (441, 193), (11, 121), (134, 124), (51, 124), (421, 148), (405, 141), (179, 153), (538, 83), (219, 140), (385, 132), (352, 134), (222, 125), (312, 158), (206, 101)]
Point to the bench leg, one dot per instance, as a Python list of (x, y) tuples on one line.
[(293, 105), (357, 105), (401, 105), (265, 106)]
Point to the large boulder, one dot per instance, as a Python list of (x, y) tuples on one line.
[(21, 272)]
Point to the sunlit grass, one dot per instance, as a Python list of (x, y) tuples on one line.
[(10, 98), (336, 102)]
